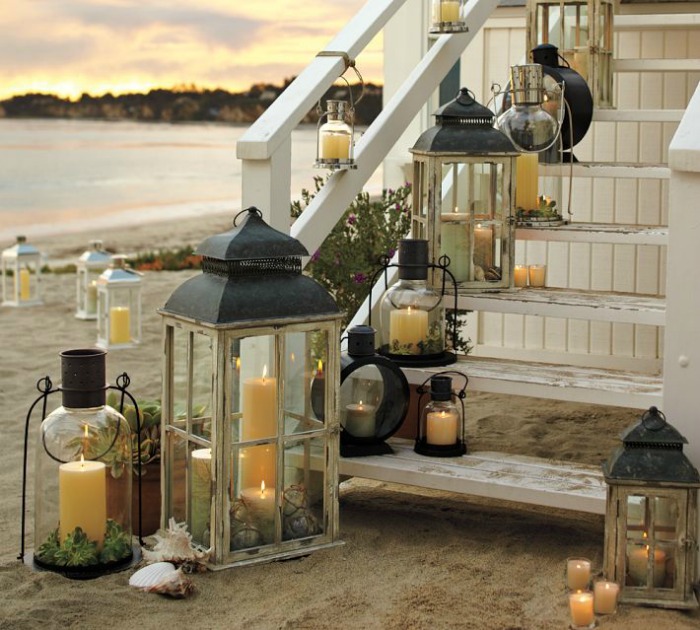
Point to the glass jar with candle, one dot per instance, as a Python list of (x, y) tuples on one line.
[(335, 137), (118, 306), (441, 426), (83, 476), (447, 17)]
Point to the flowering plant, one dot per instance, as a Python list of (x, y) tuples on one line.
[(368, 229)]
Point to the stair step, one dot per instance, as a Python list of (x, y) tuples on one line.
[(600, 306), (516, 478), (554, 381), (637, 22), (608, 170), (656, 65), (637, 115), (597, 233)]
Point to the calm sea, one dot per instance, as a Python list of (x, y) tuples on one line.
[(65, 175)]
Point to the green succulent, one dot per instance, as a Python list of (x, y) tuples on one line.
[(48, 550), (77, 550), (117, 543)]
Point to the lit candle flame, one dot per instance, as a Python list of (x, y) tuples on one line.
[(409, 310), (82, 461), (319, 368), (238, 364), (292, 358), (264, 374), (262, 489), (85, 429)]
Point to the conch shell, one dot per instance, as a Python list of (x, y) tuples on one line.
[(162, 578), (175, 545)]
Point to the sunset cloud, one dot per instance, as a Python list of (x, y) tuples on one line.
[(74, 46)]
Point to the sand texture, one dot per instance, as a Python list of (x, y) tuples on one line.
[(411, 559)]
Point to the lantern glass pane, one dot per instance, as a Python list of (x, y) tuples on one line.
[(202, 385), (303, 375), (362, 408), (176, 480), (200, 493), (665, 517), (636, 514), (303, 505), (420, 200), (180, 372), (255, 386)]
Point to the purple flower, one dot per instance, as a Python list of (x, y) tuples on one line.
[(316, 255), (391, 253), (359, 278), (352, 219)]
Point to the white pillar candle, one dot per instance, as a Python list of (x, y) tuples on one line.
[(520, 276), (82, 499), (446, 11), (638, 561), (200, 492), (581, 608), (526, 181), (119, 325), (25, 290), (335, 146), (261, 504), (578, 573), (441, 428), (259, 421), (408, 326), (483, 247), (360, 419), (454, 242), (605, 597), (536, 275)]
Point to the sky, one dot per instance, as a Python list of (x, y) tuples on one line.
[(67, 47)]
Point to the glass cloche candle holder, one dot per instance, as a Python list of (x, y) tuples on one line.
[(447, 17), (83, 477), (441, 424), (335, 137)]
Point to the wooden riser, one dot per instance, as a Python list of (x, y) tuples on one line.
[(495, 475), (597, 233), (589, 305), (607, 170), (555, 382), (637, 115)]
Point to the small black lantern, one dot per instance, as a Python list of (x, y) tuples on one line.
[(441, 423), (412, 319), (651, 515)]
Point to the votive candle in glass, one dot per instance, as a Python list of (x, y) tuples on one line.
[(605, 595), (581, 609), (578, 573), (536, 275), (520, 276)]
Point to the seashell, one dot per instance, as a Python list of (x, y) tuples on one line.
[(302, 524), (295, 498), (175, 545), (162, 578), (478, 273), (492, 274)]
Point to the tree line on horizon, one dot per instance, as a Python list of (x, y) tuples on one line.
[(180, 104)]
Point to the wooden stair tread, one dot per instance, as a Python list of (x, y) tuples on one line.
[(597, 233), (637, 21), (656, 65), (569, 303), (495, 475), (554, 381), (637, 115), (609, 170)]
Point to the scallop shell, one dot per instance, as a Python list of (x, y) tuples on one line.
[(162, 578), (151, 574)]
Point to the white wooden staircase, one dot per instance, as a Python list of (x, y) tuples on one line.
[(577, 298)]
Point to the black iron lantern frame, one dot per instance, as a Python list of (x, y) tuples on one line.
[(442, 411), (60, 562), (651, 516)]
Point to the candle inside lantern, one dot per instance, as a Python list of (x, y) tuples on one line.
[(408, 327), (119, 324), (605, 597), (526, 181), (260, 502), (82, 499), (638, 562), (259, 421), (441, 428), (24, 284), (520, 276), (581, 608), (91, 298), (578, 573), (445, 11), (360, 419), (335, 146), (536, 275), (454, 242), (200, 493), (483, 246)]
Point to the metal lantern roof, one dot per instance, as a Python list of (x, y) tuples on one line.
[(652, 450), (19, 249), (118, 272), (252, 272), (95, 256), (464, 127)]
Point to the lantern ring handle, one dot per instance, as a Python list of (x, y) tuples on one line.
[(653, 419), (252, 210), (44, 385)]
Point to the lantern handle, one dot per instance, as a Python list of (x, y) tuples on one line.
[(251, 211), (45, 386), (653, 419)]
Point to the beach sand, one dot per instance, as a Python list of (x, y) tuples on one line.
[(411, 559)]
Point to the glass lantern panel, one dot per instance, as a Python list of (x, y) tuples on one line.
[(180, 339), (254, 371), (420, 199), (637, 523), (665, 517), (364, 404), (202, 382), (176, 481), (304, 378), (200, 494), (547, 17), (303, 504)]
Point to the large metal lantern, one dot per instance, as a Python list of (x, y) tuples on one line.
[(651, 515), (118, 306), (247, 463), (92, 262), (21, 274), (463, 181), (583, 32)]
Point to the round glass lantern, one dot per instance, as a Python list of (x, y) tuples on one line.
[(441, 423), (21, 274), (118, 306), (374, 396), (83, 478), (447, 17), (335, 148), (90, 265)]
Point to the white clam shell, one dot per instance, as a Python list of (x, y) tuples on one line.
[(152, 575)]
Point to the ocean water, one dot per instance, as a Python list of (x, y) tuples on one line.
[(60, 176)]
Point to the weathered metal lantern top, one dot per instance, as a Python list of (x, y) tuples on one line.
[(20, 249), (464, 127), (94, 257), (252, 272), (651, 451)]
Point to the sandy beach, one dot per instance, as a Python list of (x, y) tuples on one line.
[(411, 559)]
